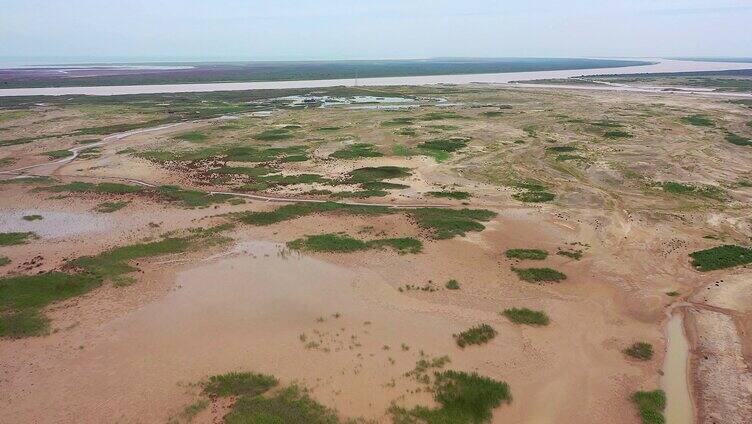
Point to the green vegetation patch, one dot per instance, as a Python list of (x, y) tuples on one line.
[(290, 405), (239, 384), (22, 298), (13, 239), (448, 145), (32, 217), (457, 195), (82, 187), (109, 207), (493, 114), (377, 173), (650, 406), (532, 254), (538, 275), (561, 149), (345, 244), (464, 398), (617, 134), (357, 150), (480, 334), (526, 316), (257, 171), (438, 116), (409, 132), (720, 257), (698, 120), (398, 122), (4, 260), (708, 191), (274, 134), (192, 136), (534, 196), (58, 154), (738, 140), (191, 198), (442, 223), (452, 285), (640, 350), (575, 254)]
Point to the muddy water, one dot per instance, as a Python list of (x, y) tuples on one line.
[(674, 381)]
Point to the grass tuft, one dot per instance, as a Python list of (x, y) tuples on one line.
[(13, 239), (239, 384), (537, 275), (531, 254), (640, 350), (477, 335), (526, 316), (650, 406)]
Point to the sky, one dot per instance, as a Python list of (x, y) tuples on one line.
[(62, 31)]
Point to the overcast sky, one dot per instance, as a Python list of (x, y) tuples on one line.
[(104, 30)]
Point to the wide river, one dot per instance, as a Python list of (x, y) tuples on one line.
[(661, 65)]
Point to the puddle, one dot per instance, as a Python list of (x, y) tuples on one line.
[(674, 381), (53, 224)]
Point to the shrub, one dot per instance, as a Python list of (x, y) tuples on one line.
[(533, 254), (640, 350), (738, 140), (650, 406), (571, 253), (32, 217), (453, 285), (477, 335), (536, 275), (526, 316)]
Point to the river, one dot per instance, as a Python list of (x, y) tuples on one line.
[(661, 65)]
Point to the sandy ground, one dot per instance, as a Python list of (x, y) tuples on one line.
[(135, 354)]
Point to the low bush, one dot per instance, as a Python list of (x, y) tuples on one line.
[(477, 335)]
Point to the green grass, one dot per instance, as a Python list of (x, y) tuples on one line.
[(109, 207), (345, 244), (191, 198), (526, 316), (457, 195), (357, 150), (448, 145), (477, 335), (82, 187), (377, 173), (534, 196), (192, 136), (640, 350), (464, 398), (239, 384), (409, 132), (738, 140), (441, 223), (13, 239), (190, 411), (398, 122), (673, 293), (327, 129), (23, 297), (562, 149), (4, 260), (720, 257), (531, 254), (698, 121), (290, 405), (58, 154), (493, 114), (452, 285), (708, 191), (257, 171), (570, 253), (617, 134), (650, 406), (438, 116), (32, 217), (274, 134), (537, 275), (360, 194)]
